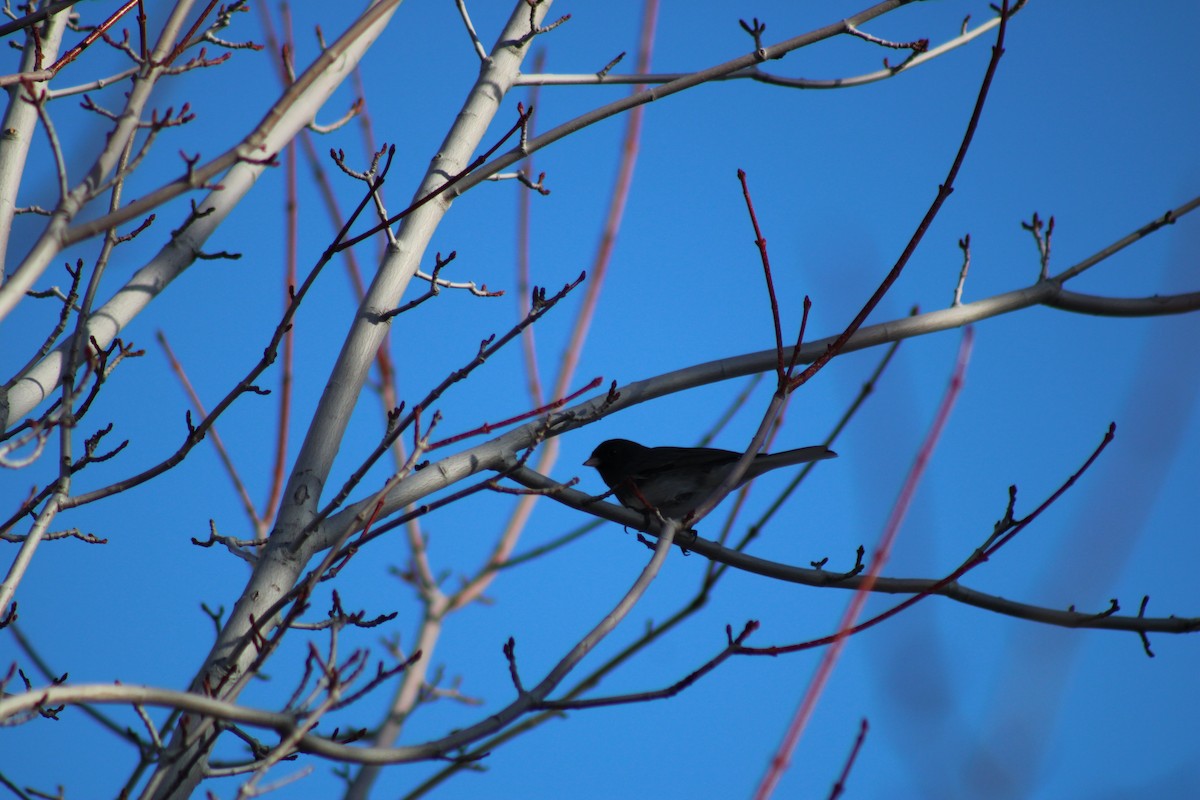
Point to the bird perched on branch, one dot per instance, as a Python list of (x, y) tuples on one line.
[(674, 480)]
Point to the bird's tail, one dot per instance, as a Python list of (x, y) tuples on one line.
[(800, 455)]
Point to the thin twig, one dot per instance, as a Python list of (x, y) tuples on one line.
[(830, 657)]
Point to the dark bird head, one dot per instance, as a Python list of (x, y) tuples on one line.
[(614, 452)]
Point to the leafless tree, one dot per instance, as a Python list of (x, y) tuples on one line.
[(349, 494)]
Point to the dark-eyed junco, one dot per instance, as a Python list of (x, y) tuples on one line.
[(675, 480)]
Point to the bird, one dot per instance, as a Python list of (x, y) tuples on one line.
[(674, 480)]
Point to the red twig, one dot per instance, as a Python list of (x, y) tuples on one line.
[(141, 21), (943, 194), (760, 242), (570, 358), (616, 209), (782, 758), (186, 39), (488, 427), (222, 453), (99, 31), (840, 786), (291, 211)]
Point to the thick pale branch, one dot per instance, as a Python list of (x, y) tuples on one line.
[(260, 144), (19, 124), (56, 235), (1153, 306), (290, 546), (498, 453), (287, 117)]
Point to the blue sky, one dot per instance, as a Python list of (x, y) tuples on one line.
[(1092, 119)]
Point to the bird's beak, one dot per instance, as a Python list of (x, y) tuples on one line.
[(592, 462)]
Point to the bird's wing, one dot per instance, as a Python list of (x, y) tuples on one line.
[(658, 460)]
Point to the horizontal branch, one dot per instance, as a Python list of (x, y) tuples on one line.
[(682, 83), (823, 578), (292, 726), (1125, 306), (497, 454), (15, 705), (755, 74)]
